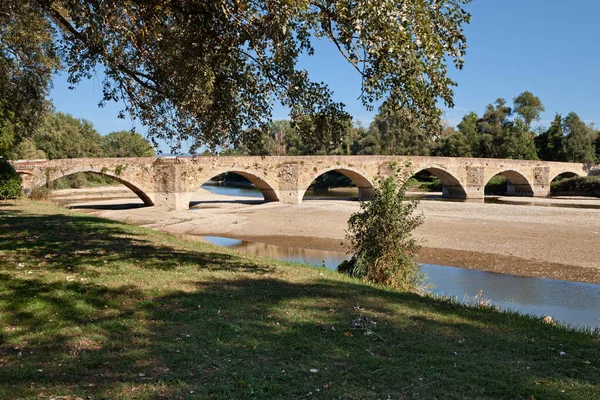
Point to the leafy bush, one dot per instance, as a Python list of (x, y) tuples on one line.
[(581, 185), (41, 193), (10, 181), (380, 235)]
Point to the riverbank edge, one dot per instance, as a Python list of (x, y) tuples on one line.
[(472, 260)]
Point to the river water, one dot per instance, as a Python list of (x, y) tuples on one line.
[(570, 303)]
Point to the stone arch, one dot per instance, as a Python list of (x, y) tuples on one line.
[(268, 190), (130, 185), (517, 185), (451, 186), (364, 185)]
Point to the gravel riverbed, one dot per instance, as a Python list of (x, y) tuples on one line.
[(530, 240)]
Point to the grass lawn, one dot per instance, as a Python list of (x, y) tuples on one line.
[(96, 309)]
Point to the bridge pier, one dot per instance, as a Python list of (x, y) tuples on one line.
[(365, 193), (171, 201), (290, 196), (541, 190), (518, 190)]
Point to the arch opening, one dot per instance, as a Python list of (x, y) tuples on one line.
[(564, 175), (436, 181), (339, 184), (234, 187), (99, 180), (508, 183)]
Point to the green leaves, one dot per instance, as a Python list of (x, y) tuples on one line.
[(10, 181), (380, 235), (205, 71), (28, 58)]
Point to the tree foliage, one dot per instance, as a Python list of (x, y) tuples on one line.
[(551, 144), (63, 136), (28, 58), (10, 181), (380, 235), (399, 132), (126, 144), (579, 141), (207, 70), (528, 107)]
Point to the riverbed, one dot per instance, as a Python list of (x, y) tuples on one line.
[(528, 240)]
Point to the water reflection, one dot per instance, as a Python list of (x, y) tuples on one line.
[(572, 303)]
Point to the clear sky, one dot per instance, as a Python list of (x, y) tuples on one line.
[(549, 47)]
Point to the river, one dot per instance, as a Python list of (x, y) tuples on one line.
[(570, 303)]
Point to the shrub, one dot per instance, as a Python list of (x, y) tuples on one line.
[(10, 181), (380, 235), (579, 185), (41, 193)]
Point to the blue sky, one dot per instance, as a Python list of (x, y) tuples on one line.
[(549, 47)]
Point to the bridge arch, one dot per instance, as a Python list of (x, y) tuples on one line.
[(365, 186), (134, 187), (261, 182), (451, 186), (517, 182)]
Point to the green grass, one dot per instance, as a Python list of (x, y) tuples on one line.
[(96, 309)]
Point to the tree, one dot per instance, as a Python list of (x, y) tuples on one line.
[(126, 144), (551, 144), (28, 58), (518, 142), (399, 132), (26, 150), (7, 134), (206, 70), (454, 145), (10, 181), (491, 127), (380, 235), (598, 147), (63, 136), (579, 140), (468, 127), (528, 107)]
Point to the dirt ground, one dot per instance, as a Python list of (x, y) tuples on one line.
[(530, 240)]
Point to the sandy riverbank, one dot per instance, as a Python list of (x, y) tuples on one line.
[(557, 243)]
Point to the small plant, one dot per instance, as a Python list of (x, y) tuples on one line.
[(480, 301), (119, 169), (380, 235), (10, 181)]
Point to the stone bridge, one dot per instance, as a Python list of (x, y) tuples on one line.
[(171, 181)]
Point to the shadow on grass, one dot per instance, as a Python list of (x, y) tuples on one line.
[(74, 243), (258, 333)]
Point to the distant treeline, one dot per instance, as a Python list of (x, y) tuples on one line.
[(63, 136), (501, 132)]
